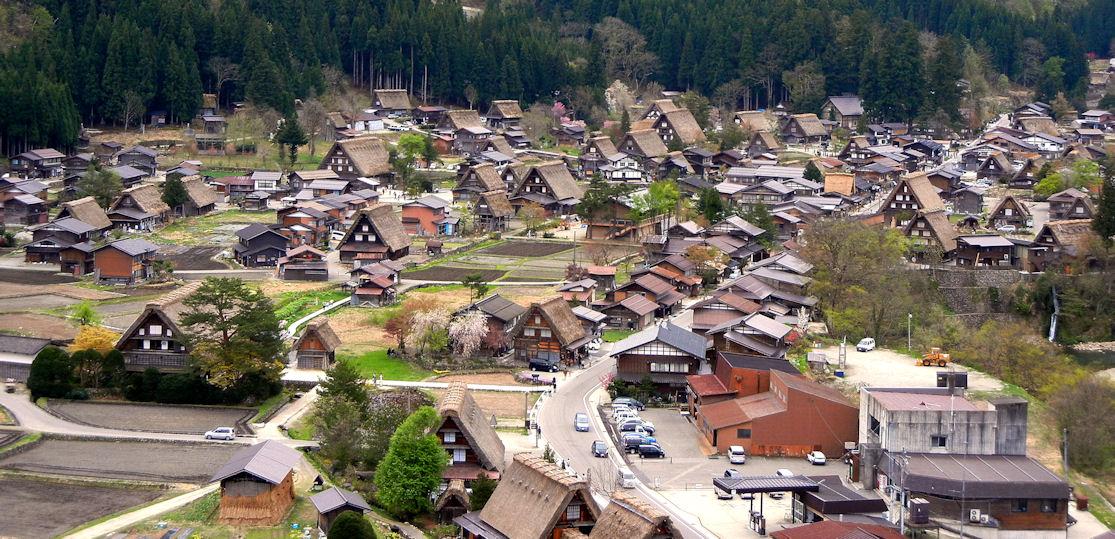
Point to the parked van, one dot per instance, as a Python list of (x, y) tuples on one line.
[(626, 478), (737, 455)]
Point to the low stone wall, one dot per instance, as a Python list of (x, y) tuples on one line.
[(977, 295)]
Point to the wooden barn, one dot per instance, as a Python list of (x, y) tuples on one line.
[(316, 347), (257, 484), (331, 503)]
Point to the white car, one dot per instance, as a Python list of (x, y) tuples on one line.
[(866, 344), (816, 458), (1007, 229), (593, 344), (221, 433)]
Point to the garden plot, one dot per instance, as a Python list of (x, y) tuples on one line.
[(136, 461), (44, 509), (193, 258), (15, 275), (526, 249), (451, 274), (38, 301), (38, 325), (152, 417)]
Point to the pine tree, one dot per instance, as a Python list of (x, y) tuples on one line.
[(812, 173), (291, 135), (1104, 221), (174, 192)]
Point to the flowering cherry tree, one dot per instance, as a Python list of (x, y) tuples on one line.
[(467, 332)]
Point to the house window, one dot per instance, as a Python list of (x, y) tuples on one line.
[(146, 344), (458, 455), (1049, 505), (938, 440), (573, 512), (449, 437), (1019, 505), (165, 345), (156, 330), (1080, 209), (743, 433), (544, 333)]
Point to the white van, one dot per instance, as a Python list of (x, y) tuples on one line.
[(737, 455), (626, 478)]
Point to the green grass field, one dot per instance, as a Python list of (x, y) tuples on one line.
[(616, 335), (376, 362)]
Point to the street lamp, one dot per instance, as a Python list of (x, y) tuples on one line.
[(909, 324)]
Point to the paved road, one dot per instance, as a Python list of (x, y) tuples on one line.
[(556, 419)]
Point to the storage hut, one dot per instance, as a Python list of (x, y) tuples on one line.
[(257, 484), (331, 503), (316, 347)]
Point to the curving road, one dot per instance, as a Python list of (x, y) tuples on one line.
[(556, 421)]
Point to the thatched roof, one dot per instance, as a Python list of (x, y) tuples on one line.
[(169, 308), (87, 211), (1016, 204), (460, 119), (368, 156), (756, 120), (385, 224), (147, 198), (501, 145), (486, 175), (768, 140), (457, 403), (532, 496), (456, 490), (630, 517), (685, 125), (1039, 124), (393, 99), (498, 205), (663, 106), (810, 124), (923, 191), (645, 143), (556, 175), (938, 222), (505, 108), (604, 146), (1071, 235), (199, 192), (562, 321), (320, 328)]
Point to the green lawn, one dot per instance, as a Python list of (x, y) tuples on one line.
[(275, 400), (616, 335), (376, 362), (291, 306)]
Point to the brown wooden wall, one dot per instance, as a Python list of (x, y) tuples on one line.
[(114, 263)]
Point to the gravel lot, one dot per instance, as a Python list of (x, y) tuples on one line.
[(152, 417), (886, 368), (170, 462), (40, 509), (193, 258)]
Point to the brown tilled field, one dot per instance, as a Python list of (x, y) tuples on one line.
[(451, 274), (194, 258), (526, 249), (38, 325), (43, 509), (13, 275), (153, 417), (141, 461)]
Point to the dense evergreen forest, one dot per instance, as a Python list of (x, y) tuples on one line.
[(92, 62)]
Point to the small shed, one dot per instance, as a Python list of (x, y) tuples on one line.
[(453, 502), (331, 503), (316, 347), (257, 484)]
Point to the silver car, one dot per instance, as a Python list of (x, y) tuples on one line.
[(221, 433)]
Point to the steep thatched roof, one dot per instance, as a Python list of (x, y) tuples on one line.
[(460, 119), (1071, 235), (385, 224), (456, 490), (87, 211), (532, 496), (501, 145), (756, 120), (562, 321), (604, 146), (393, 99), (199, 192), (938, 223), (662, 106), (169, 308), (485, 174), (457, 403), (644, 143), (505, 108), (685, 125), (630, 517), (810, 124), (1015, 204), (556, 175), (147, 198), (368, 156), (923, 191), (768, 140), (320, 328), (498, 205)]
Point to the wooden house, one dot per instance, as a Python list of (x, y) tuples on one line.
[(25, 210), (633, 312), (430, 114), (1071, 203), (658, 107), (504, 114), (968, 200), (377, 232), (927, 229), (996, 168), (257, 484), (76, 259), (1065, 240), (201, 199), (304, 225), (664, 352), (373, 289), (644, 145), (139, 208), (550, 185), (316, 347), (477, 179), (755, 120), (471, 141), (467, 436), (130, 176), (154, 338), (764, 142), (303, 263), (428, 216), (49, 239), (331, 503), (363, 157), (721, 306), (582, 291), (259, 245), (492, 211), (554, 498), (256, 201), (453, 502), (391, 102), (124, 262), (1010, 211), (595, 154), (503, 316), (912, 193), (301, 179), (611, 222), (678, 126), (38, 163), (945, 179), (549, 333), (77, 163), (605, 276), (138, 157), (592, 321), (1025, 177), (652, 288), (985, 251), (753, 334), (804, 129), (845, 110)]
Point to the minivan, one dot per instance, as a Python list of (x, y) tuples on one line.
[(629, 402), (580, 422), (737, 455), (651, 451), (626, 479), (866, 344)]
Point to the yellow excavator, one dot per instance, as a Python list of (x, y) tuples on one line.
[(935, 356)]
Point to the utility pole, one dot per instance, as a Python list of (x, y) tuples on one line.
[(909, 325)]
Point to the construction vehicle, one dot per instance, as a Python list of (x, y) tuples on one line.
[(935, 356)]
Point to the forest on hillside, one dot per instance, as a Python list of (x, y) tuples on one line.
[(90, 62)]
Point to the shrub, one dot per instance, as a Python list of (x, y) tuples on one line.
[(353, 525), (51, 374), (79, 394)]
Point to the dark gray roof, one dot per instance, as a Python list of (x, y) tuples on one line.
[(976, 476), (128, 172), (794, 483), (253, 230), (500, 307), (335, 498), (69, 224), (758, 363), (585, 313), (132, 246), (667, 333), (270, 461), (26, 346)]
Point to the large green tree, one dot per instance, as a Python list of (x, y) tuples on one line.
[(290, 136), (174, 192), (1103, 223), (412, 468), (51, 374), (232, 332), (102, 184)]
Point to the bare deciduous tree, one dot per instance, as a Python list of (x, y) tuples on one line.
[(313, 118), (624, 50), (133, 108), (224, 71)]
